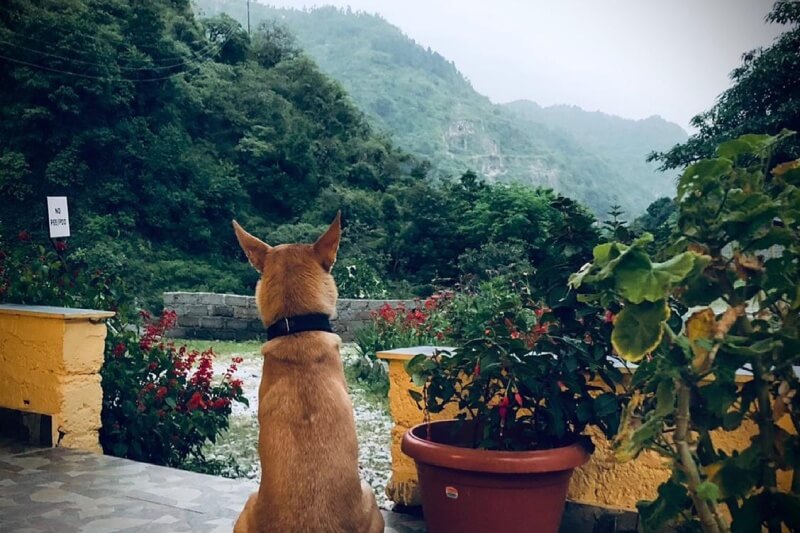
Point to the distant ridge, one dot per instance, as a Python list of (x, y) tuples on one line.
[(429, 108)]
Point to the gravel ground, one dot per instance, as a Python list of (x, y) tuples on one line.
[(237, 448)]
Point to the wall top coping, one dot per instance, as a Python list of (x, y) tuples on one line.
[(47, 311), (404, 354)]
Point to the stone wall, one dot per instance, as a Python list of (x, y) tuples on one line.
[(205, 315)]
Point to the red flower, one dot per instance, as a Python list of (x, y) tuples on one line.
[(503, 408), (415, 318), (608, 317), (518, 398), (161, 393), (220, 403), (61, 245), (236, 385), (515, 335), (477, 370), (24, 236), (119, 349), (387, 313), (196, 402), (541, 329), (152, 366)]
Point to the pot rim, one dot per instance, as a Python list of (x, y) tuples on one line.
[(492, 461)]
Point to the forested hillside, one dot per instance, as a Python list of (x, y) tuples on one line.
[(623, 143), (429, 108), (160, 128)]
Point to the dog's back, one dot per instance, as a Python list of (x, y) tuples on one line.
[(307, 440)]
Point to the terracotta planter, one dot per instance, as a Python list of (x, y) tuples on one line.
[(467, 490)]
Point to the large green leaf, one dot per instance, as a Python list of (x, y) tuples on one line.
[(665, 398), (606, 258), (746, 144), (672, 500), (696, 175), (638, 329), (639, 280)]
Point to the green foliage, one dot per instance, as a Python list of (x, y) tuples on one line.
[(727, 304), (34, 274), (522, 373), (356, 277), (764, 96), (163, 130), (486, 226), (659, 220)]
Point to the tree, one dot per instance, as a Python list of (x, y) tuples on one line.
[(765, 97)]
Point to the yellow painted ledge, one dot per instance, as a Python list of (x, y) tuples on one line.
[(50, 359), (602, 481)]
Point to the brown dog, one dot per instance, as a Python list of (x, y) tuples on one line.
[(307, 437)]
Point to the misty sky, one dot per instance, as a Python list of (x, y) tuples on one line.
[(632, 58)]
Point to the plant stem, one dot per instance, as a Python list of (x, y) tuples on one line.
[(766, 426), (766, 437), (706, 510)]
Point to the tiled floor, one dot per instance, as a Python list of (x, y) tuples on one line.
[(61, 490)]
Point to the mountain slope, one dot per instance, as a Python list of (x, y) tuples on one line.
[(431, 110), (624, 143)]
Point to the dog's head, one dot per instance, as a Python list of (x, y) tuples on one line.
[(295, 278)]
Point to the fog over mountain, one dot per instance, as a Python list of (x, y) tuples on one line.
[(422, 100), (629, 58)]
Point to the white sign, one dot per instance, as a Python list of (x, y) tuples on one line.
[(58, 216)]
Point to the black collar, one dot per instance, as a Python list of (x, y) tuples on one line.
[(298, 324)]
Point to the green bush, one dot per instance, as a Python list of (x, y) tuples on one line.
[(161, 403), (356, 277)]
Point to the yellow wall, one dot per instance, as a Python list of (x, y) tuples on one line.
[(601, 481), (49, 363)]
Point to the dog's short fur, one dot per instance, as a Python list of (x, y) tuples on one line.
[(307, 438)]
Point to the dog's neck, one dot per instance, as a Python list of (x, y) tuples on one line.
[(299, 324)]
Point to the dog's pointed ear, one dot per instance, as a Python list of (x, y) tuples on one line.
[(255, 249), (326, 246)]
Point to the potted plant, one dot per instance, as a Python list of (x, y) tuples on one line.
[(526, 380)]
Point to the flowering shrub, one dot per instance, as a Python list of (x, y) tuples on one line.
[(525, 374), (397, 327), (31, 273), (161, 403)]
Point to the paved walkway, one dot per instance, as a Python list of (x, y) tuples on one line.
[(61, 490)]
